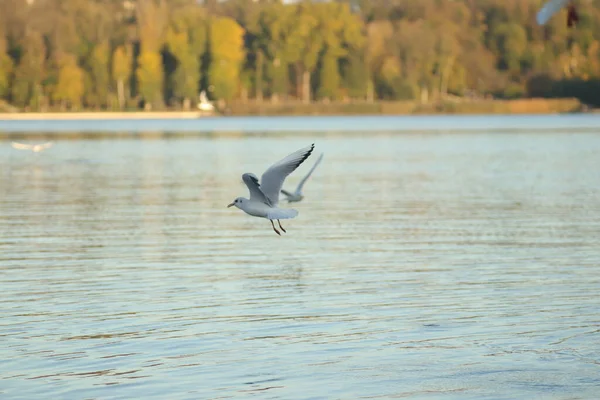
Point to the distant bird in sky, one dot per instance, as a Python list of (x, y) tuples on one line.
[(36, 148), (264, 196), (297, 195), (551, 7)]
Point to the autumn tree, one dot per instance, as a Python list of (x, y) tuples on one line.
[(151, 18), (186, 40), (70, 85), (271, 40), (329, 78), (121, 72), (355, 74), (97, 93), (6, 67), (303, 44), (226, 55), (149, 75), (27, 85), (343, 38)]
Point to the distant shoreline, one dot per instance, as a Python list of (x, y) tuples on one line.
[(96, 115), (389, 108)]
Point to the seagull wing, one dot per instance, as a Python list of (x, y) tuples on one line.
[(549, 9), (256, 194), (21, 146), (286, 193), (272, 180), (47, 145), (303, 181)]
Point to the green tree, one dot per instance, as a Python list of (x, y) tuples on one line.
[(511, 42), (343, 36), (270, 37), (277, 70), (329, 79), (303, 45), (150, 77), (152, 19), (27, 86), (186, 40), (379, 34), (6, 67), (227, 55), (97, 95), (355, 74), (70, 86)]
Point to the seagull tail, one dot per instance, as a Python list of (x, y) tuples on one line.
[(282, 213)]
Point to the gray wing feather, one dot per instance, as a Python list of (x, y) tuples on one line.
[(256, 194), (272, 180), (303, 181)]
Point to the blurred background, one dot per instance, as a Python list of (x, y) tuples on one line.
[(297, 57)]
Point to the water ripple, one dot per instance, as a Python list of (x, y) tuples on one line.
[(430, 266)]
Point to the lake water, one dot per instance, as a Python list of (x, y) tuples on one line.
[(425, 263)]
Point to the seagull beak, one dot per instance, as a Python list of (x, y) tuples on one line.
[(230, 205)]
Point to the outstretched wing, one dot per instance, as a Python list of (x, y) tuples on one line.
[(272, 180), (285, 192), (549, 9), (256, 194), (47, 145), (303, 181), (21, 146)]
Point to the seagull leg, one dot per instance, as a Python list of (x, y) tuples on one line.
[(273, 225), (281, 226)]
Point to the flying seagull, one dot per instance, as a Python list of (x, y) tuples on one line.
[(551, 7), (264, 196), (297, 195), (36, 148)]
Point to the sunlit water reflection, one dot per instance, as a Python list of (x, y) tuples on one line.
[(420, 266)]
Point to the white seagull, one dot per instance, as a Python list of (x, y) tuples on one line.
[(297, 195), (265, 196), (36, 148)]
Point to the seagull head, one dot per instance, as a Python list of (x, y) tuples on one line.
[(238, 203)]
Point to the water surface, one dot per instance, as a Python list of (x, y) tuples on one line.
[(346, 124), (421, 265)]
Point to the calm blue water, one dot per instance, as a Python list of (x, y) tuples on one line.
[(360, 124), (430, 265)]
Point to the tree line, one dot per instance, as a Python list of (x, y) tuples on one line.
[(125, 54)]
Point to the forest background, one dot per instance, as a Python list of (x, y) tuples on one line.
[(58, 55)]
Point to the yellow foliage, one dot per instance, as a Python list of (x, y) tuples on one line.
[(152, 17), (6, 67), (227, 40), (391, 68), (70, 85), (150, 76), (121, 65), (378, 34), (177, 43), (227, 50)]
